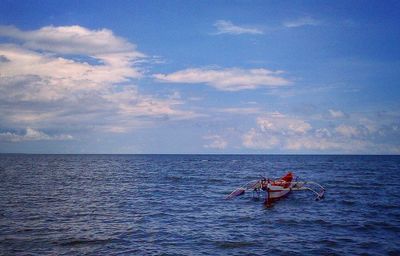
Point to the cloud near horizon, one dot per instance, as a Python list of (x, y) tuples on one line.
[(32, 135), (281, 132), (215, 142)]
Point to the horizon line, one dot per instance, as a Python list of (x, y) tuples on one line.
[(226, 154)]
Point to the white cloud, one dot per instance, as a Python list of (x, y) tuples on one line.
[(273, 130), (336, 113), (347, 130), (72, 40), (229, 79), (370, 126), (215, 142), (279, 123), (279, 132), (341, 145), (40, 57), (303, 21), (319, 140), (312, 142), (227, 27), (240, 111), (130, 103), (256, 139), (32, 135), (52, 77), (323, 133), (55, 76), (108, 110)]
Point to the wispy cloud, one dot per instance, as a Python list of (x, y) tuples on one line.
[(227, 27), (229, 79), (240, 110), (300, 22), (32, 135), (336, 113)]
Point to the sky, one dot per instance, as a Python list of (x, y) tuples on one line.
[(200, 77)]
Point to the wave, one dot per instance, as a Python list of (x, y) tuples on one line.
[(83, 242), (234, 244)]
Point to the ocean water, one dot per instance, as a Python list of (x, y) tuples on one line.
[(174, 205)]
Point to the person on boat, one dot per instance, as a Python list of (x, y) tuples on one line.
[(264, 183)]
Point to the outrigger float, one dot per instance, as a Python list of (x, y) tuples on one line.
[(279, 188)]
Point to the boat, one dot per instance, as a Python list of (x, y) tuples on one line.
[(275, 189)]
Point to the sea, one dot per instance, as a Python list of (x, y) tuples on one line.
[(175, 205)]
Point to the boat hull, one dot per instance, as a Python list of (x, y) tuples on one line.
[(279, 188)]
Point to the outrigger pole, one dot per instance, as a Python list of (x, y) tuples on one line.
[(298, 185)]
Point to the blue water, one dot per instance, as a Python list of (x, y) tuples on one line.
[(174, 205)]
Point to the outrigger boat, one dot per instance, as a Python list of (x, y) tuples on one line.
[(279, 188)]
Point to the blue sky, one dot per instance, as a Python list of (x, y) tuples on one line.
[(200, 77)]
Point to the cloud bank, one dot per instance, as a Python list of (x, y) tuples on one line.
[(276, 131), (73, 76)]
